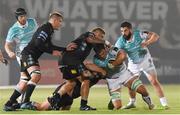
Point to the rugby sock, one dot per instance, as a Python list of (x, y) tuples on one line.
[(132, 100), (83, 102), (147, 99), (163, 101), (15, 95), (29, 90)]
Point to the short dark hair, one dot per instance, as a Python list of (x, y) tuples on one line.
[(126, 24), (98, 29), (19, 12)]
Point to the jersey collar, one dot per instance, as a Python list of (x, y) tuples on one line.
[(23, 26)]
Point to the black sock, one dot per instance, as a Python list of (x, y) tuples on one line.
[(28, 93), (83, 102), (14, 96)]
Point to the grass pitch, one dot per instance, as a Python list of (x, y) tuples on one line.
[(99, 98)]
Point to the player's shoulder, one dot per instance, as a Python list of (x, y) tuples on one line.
[(14, 28), (31, 20), (136, 30), (121, 39)]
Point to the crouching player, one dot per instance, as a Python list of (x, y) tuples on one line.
[(117, 75), (64, 103)]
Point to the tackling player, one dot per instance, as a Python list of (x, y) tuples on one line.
[(118, 75), (73, 68)]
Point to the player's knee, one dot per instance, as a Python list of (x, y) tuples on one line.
[(155, 82), (136, 84), (35, 75), (24, 79)]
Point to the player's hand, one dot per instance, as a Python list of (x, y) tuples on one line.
[(12, 55), (71, 46), (104, 73), (56, 53), (144, 44), (107, 44), (5, 61)]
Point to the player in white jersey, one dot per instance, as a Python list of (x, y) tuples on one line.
[(134, 43), (20, 34), (118, 76)]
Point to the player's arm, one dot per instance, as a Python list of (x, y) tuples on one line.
[(121, 56), (9, 49), (10, 43), (91, 39), (151, 38), (95, 68)]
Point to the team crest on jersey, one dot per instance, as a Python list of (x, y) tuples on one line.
[(73, 71), (24, 64)]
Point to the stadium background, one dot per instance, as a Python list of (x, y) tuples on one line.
[(160, 16)]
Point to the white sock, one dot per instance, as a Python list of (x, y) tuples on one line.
[(163, 101), (132, 100)]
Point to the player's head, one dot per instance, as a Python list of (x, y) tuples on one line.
[(101, 51), (21, 15), (56, 19), (98, 32), (126, 30)]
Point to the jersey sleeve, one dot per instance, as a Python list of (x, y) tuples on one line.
[(10, 36), (35, 23), (44, 44), (42, 40), (98, 62), (144, 34), (119, 43)]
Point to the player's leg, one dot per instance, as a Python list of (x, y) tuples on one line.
[(116, 99), (34, 72), (136, 85), (132, 100), (152, 77), (85, 86), (135, 70), (149, 70), (11, 104), (21, 98), (114, 87)]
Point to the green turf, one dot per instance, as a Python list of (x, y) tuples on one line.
[(99, 98)]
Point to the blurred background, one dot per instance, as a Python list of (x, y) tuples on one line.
[(160, 16)]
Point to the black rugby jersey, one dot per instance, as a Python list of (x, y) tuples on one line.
[(78, 55), (41, 42)]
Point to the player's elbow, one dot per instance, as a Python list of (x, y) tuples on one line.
[(156, 36)]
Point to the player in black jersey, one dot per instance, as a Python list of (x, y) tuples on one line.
[(40, 43), (72, 67), (66, 100)]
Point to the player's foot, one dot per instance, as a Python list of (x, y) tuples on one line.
[(10, 106), (28, 105), (129, 106), (86, 108), (163, 107), (110, 105), (151, 106)]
